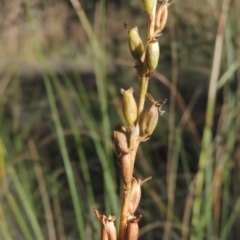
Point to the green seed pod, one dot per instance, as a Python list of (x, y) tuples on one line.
[(120, 140), (152, 55), (108, 230), (126, 168), (132, 230), (150, 119), (135, 43), (149, 5), (129, 107), (135, 194)]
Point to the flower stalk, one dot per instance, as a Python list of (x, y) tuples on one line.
[(139, 126)]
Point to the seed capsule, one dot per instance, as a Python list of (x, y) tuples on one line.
[(129, 107), (152, 55), (126, 168), (134, 136), (108, 230), (135, 194), (132, 227), (150, 119), (161, 16), (135, 43), (148, 5), (120, 140)]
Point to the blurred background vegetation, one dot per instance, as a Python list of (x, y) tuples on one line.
[(61, 70)]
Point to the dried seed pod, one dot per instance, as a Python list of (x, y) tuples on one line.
[(132, 227), (126, 168), (149, 5), (129, 107), (134, 136), (135, 43), (108, 230), (135, 194), (150, 119), (161, 15), (120, 140), (152, 55)]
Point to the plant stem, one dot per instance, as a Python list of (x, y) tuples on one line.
[(142, 94), (124, 211), (143, 77), (126, 195)]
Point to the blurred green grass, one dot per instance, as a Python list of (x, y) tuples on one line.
[(60, 77)]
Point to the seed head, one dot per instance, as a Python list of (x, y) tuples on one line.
[(132, 227), (126, 168), (149, 5), (135, 194), (152, 55), (135, 43), (129, 107), (120, 140), (161, 15), (150, 119), (108, 230)]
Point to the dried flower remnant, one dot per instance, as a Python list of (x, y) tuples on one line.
[(120, 140), (150, 119), (135, 194), (123, 154), (161, 16), (126, 168), (108, 229), (132, 230)]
